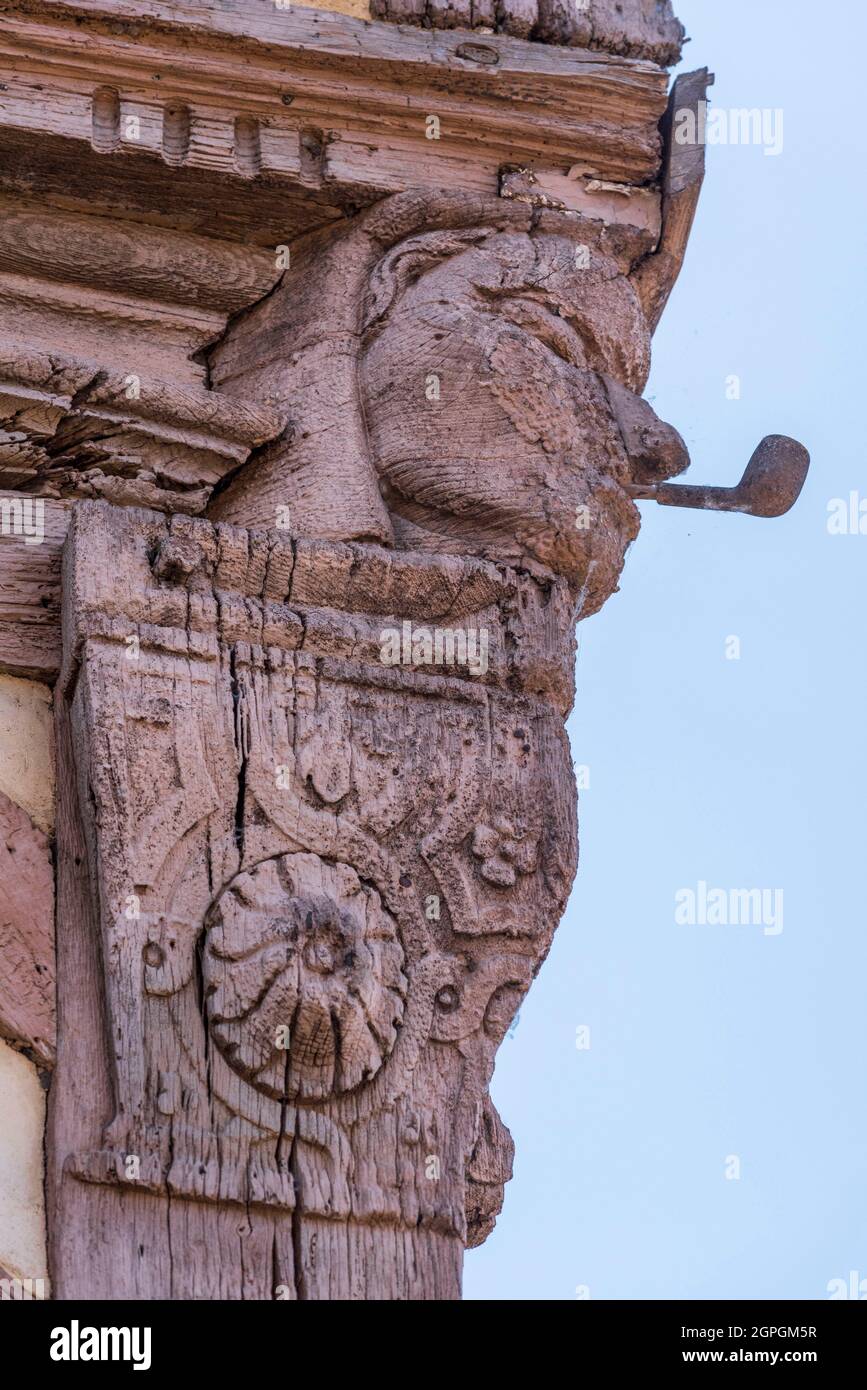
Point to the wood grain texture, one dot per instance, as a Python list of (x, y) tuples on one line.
[(100, 392), (682, 179), (75, 427), (155, 265), (259, 23), (30, 589), (70, 173), (633, 28), (27, 984)]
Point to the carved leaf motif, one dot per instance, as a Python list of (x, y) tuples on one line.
[(505, 849), (324, 741)]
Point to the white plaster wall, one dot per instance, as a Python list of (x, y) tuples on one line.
[(359, 9), (27, 748), (22, 1208), (27, 777)]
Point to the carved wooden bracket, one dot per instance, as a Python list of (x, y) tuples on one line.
[(362, 316), (448, 363), (321, 863)]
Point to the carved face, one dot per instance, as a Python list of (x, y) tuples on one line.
[(488, 422)]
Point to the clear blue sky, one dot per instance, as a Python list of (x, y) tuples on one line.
[(715, 1041)]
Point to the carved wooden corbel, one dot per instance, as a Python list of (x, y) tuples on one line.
[(443, 360), (332, 516), (319, 871)]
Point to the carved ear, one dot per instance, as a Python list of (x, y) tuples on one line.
[(406, 262), (682, 129)]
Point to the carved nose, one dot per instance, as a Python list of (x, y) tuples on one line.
[(770, 486), (655, 449)]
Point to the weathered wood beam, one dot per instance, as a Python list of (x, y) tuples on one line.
[(30, 585), (262, 23), (101, 393), (284, 968), (682, 179)]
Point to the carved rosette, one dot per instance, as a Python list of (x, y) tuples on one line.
[(304, 982)]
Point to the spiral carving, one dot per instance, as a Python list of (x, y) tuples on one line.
[(303, 973)]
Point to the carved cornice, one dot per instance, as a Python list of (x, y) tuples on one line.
[(72, 427), (100, 392), (330, 107)]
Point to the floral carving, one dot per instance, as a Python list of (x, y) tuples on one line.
[(304, 980), (505, 849)]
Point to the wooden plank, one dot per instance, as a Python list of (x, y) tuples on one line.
[(682, 179), (30, 589), (165, 266)]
